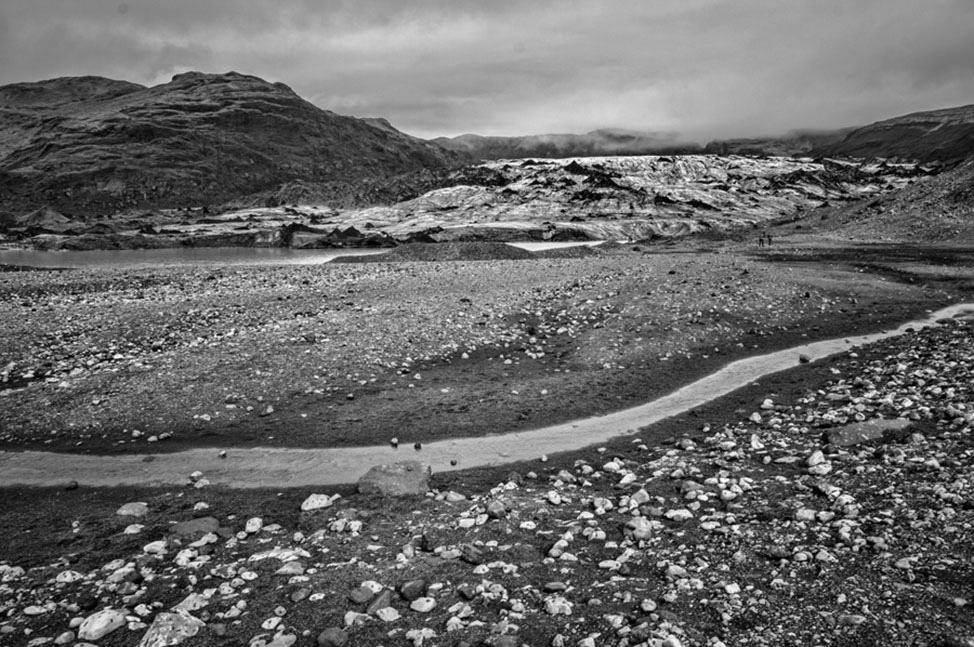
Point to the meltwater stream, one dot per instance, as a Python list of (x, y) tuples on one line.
[(263, 467)]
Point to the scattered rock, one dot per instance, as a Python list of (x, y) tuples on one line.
[(134, 509), (862, 432), (171, 629), (404, 478), (195, 527), (413, 589), (318, 501), (333, 637), (422, 605), (100, 624)]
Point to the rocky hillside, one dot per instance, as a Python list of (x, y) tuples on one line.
[(945, 135), (935, 209), (90, 145), (597, 143)]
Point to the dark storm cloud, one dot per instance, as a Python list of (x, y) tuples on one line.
[(703, 67)]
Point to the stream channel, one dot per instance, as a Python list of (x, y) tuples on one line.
[(263, 467)]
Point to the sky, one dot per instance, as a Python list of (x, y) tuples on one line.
[(698, 68)]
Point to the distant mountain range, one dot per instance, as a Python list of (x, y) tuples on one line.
[(597, 143), (945, 135), (86, 146), (797, 143)]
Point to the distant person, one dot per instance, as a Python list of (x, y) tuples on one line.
[(769, 240), (761, 240)]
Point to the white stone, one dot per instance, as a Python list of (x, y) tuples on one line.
[(133, 509), (423, 604), (100, 624), (66, 577), (192, 602), (557, 605), (679, 514), (171, 629), (387, 614), (639, 528), (355, 618), (155, 548), (317, 502)]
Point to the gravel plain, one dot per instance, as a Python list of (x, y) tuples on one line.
[(763, 518), (124, 360)]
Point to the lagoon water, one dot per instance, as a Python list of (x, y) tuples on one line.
[(178, 256), (204, 256)]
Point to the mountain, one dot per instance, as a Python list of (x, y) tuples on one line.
[(945, 135), (796, 143), (597, 143), (90, 145)]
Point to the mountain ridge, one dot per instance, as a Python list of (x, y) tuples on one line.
[(941, 135), (91, 146)]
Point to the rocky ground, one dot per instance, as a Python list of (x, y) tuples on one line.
[(761, 518), (780, 522)]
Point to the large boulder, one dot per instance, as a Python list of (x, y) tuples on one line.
[(862, 432), (398, 479), (195, 527), (171, 629), (100, 624)]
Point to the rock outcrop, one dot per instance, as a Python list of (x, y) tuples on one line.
[(404, 478)]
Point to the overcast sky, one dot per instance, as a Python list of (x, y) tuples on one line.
[(702, 68)]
